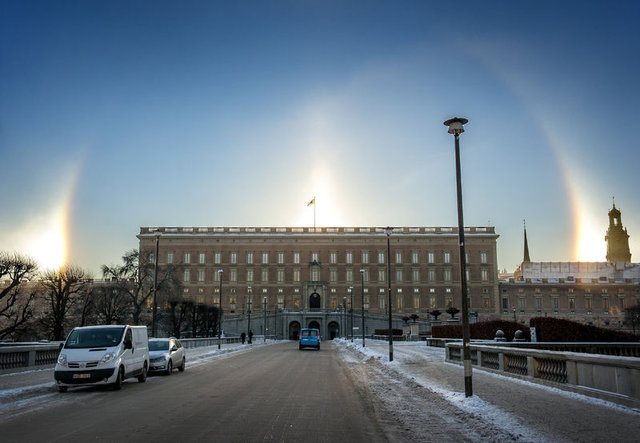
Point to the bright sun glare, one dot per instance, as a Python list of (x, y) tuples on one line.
[(48, 246), (591, 246)]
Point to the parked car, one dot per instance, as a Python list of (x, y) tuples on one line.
[(309, 338), (94, 355), (166, 354)]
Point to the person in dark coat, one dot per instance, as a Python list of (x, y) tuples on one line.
[(243, 336), (250, 336)]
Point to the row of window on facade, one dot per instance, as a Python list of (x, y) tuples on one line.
[(555, 306), (400, 275), (430, 301), (333, 257)]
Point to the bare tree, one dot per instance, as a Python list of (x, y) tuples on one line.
[(135, 278), (111, 302), (84, 307), (632, 317), (178, 311), (16, 302), (202, 318), (178, 316), (61, 290)]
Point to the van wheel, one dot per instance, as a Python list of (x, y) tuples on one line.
[(169, 367), (118, 383), (62, 388), (143, 377), (181, 368)]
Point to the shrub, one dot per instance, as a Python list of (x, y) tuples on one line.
[(485, 330), (561, 330)]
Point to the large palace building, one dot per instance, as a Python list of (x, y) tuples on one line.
[(318, 270), (597, 293)]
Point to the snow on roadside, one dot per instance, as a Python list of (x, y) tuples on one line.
[(474, 406), (21, 373), (10, 393)]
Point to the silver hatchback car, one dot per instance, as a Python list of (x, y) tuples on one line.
[(166, 354)]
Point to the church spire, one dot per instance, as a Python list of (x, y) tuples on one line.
[(526, 244), (617, 238)]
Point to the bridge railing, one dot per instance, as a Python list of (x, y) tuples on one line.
[(612, 378), (25, 355), (208, 341), (622, 349), (28, 355)]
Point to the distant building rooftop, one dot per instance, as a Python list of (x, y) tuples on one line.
[(572, 271)]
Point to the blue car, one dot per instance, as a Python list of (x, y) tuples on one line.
[(309, 338)]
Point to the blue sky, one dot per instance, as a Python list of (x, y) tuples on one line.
[(116, 115)]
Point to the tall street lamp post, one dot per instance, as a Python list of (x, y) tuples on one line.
[(275, 320), (249, 312), (388, 230), (154, 315), (264, 321), (344, 316), (351, 312), (219, 307), (456, 128), (362, 303)]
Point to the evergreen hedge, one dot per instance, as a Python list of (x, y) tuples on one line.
[(561, 330)]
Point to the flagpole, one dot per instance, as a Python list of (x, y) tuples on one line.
[(314, 213)]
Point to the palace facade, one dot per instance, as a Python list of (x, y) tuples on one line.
[(291, 269)]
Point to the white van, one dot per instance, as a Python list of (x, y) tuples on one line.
[(94, 355)]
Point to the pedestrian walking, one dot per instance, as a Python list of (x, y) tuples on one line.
[(250, 336), (243, 337)]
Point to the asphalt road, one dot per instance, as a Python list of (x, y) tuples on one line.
[(270, 393)]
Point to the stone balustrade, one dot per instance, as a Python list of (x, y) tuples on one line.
[(15, 356), (613, 378)]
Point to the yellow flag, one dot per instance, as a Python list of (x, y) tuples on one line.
[(312, 202)]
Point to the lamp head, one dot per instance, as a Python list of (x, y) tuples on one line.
[(388, 230), (456, 125)]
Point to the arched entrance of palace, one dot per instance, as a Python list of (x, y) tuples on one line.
[(314, 325), (294, 330), (334, 330), (315, 301)]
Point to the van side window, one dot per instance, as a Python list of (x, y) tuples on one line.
[(128, 336)]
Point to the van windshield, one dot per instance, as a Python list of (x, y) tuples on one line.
[(94, 337)]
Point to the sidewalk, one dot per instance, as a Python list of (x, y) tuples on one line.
[(521, 408)]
